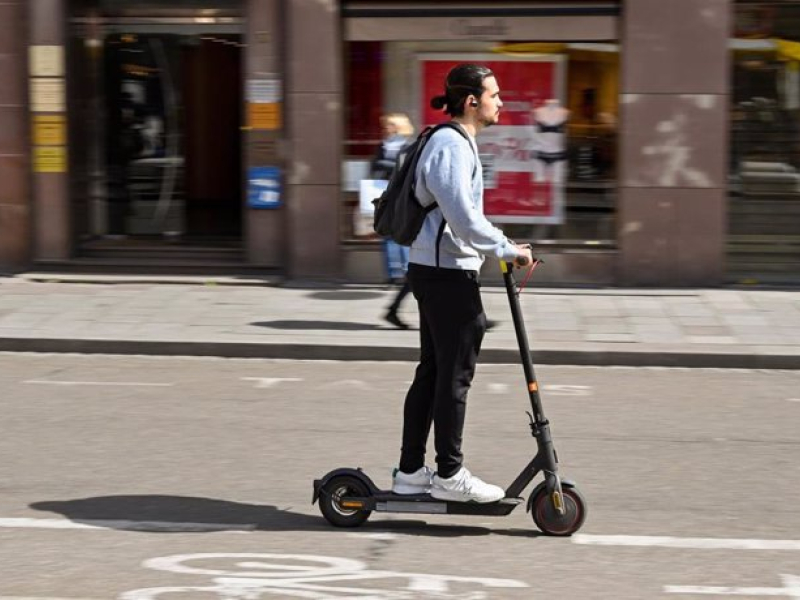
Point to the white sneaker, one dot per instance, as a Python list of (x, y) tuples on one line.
[(418, 482), (465, 487)]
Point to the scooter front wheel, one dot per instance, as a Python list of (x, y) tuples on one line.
[(550, 521), (331, 505)]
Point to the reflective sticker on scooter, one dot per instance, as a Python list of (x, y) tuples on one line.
[(533, 387)]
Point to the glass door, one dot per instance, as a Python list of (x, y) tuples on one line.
[(156, 109)]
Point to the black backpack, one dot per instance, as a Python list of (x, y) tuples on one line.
[(398, 214)]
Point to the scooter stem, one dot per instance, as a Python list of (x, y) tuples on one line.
[(522, 341)]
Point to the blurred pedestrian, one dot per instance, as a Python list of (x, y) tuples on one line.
[(397, 133)]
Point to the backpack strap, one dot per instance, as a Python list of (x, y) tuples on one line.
[(430, 207), (439, 237)]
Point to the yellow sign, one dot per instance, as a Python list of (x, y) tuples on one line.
[(787, 49), (46, 61), (49, 130), (47, 94), (50, 159), (264, 115), (530, 48)]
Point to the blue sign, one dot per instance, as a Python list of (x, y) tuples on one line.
[(264, 187)]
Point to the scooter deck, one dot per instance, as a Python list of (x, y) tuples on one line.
[(387, 501)]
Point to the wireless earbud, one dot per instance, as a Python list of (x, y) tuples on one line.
[(474, 103)]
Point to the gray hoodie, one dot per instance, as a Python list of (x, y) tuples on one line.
[(449, 173)]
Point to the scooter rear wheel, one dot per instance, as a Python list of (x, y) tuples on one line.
[(331, 496), (548, 519)]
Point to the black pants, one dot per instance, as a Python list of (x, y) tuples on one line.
[(452, 324), (401, 294)]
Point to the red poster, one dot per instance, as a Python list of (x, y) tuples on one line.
[(524, 168)]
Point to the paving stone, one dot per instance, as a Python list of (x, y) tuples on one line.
[(706, 331), (610, 337), (712, 339)]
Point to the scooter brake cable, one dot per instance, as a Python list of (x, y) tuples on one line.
[(521, 286)]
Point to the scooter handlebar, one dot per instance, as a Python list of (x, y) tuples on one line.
[(522, 261)]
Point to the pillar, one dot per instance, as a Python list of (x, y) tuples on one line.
[(52, 227), (314, 100), (265, 228), (673, 141), (15, 201)]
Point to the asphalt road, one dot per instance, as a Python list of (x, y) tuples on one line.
[(147, 477)]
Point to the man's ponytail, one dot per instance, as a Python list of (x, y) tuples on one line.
[(438, 102)]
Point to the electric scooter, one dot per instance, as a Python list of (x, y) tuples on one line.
[(347, 497)]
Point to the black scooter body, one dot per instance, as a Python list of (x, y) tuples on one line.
[(387, 501), (348, 496)]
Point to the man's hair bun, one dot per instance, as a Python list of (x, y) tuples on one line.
[(438, 102)]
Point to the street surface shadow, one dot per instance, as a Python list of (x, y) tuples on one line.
[(178, 514), (345, 295), (310, 325), (188, 514), (425, 529)]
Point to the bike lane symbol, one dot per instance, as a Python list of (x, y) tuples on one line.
[(253, 576)]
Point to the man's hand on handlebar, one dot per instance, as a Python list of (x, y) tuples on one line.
[(525, 256)]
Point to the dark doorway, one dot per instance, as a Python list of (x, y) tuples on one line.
[(213, 100), (156, 103), (172, 149)]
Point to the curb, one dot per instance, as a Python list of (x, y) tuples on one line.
[(145, 279), (393, 353)]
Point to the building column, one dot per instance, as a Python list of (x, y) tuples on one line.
[(52, 226), (265, 228), (15, 201), (314, 99), (674, 142)]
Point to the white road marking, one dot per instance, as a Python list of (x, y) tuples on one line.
[(567, 390), (301, 575), (41, 598), (552, 389), (691, 543), (793, 400), (790, 589), (498, 388), (700, 590), (374, 536), (357, 383), (118, 383), (263, 383), (578, 538), (28, 523)]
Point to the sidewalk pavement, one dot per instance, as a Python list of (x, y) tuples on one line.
[(232, 317)]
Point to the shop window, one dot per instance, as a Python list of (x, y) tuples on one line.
[(549, 165), (764, 159)]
